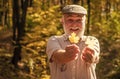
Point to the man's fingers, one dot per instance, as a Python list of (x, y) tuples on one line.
[(88, 55), (89, 50)]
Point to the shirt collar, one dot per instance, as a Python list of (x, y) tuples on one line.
[(66, 38)]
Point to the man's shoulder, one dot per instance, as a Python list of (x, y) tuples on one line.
[(56, 37), (89, 38)]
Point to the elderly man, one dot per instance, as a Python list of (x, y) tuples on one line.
[(69, 59)]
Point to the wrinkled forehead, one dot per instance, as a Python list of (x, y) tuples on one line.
[(73, 15)]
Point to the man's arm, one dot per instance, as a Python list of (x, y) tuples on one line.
[(63, 56), (91, 53)]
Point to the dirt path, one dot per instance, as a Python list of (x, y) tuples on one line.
[(5, 40)]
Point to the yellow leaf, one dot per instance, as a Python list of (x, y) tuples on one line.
[(73, 38)]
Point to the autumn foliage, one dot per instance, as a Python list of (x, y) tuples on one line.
[(43, 21)]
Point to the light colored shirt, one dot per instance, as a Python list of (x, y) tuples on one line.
[(76, 69)]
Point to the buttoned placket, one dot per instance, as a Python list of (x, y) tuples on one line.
[(74, 61), (73, 64), (74, 70)]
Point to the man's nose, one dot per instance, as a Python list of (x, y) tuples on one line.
[(74, 23)]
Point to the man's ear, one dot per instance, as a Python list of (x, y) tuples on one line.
[(84, 17), (61, 20)]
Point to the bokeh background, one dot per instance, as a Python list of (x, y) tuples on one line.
[(26, 25)]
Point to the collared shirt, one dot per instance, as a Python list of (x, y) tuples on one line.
[(76, 69)]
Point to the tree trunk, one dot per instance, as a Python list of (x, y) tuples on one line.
[(82, 2), (17, 49), (19, 20), (30, 3), (88, 21), (4, 12), (75, 1), (62, 4), (108, 7)]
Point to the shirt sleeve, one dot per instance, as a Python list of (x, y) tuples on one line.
[(96, 46), (52, 45)]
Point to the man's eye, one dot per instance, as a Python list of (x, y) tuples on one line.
[(75, 21), (70, 20), (79, 20)]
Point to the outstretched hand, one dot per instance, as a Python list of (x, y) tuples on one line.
[(71, 52), (88, 55)]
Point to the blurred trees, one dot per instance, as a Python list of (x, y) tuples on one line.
[(34, 24), (19, 23), (4, 11)]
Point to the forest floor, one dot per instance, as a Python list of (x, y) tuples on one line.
[(7, 70)]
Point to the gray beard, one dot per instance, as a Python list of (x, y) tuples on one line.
[(80, 34)]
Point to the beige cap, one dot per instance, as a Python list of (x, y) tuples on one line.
[(74, 9)]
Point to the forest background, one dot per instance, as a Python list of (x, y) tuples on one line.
[(26, 25)]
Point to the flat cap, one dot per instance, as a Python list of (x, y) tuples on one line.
[(74, 9)]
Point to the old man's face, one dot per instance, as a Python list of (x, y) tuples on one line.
[(74, 23)]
